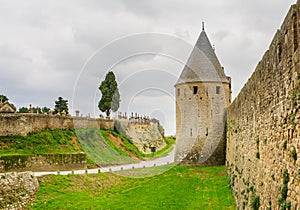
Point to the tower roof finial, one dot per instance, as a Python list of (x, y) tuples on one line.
[(202, 25)]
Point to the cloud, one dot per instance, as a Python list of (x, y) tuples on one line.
[(44, 45)]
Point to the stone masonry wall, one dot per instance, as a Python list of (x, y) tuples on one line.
[(200, 123), (22, 124), (263, 126), (17, 189), (48, 162)]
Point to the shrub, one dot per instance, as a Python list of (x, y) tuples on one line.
[(284, 145), (294, 97), (273, 177), (255, 202), (294, 154), (284, 190)]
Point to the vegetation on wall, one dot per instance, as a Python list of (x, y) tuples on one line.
[(294, 154), (255, 202), (283, 204)]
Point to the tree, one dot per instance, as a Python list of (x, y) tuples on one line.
[(36, 110), (3, 98), (23, 110), (110, 100), (45, 109), (61, 105)]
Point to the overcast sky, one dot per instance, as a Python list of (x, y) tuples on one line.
[(64, 48)]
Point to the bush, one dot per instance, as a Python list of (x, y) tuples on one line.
[(294, 154), (284, 190), (284, 145), (255, 202)]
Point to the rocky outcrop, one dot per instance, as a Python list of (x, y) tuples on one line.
[(143, 136), (17, 189)]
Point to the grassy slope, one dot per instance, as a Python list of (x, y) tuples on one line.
[(95, 143), (44, 142), (129, 147), (181, 187), (99, 149)]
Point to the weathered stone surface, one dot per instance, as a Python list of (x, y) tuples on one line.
[(22, 124), (143, 136), (263, 129), (17, 189), (48, 162), (202, 96)]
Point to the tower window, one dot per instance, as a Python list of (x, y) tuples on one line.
[(195, 88), (178, 91), (218, 89), (191, 132)]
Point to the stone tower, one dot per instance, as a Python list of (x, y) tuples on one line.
[(203, 92)]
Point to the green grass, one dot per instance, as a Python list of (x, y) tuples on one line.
[(95, 143), (130, 147), (100, 149), (126, 143), (44, 142), (181, 187), (170, 141)]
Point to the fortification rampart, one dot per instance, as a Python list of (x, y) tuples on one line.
[(22, 124), (263, 126), (47, 162)]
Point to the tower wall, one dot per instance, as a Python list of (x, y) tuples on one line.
[(200, 122)]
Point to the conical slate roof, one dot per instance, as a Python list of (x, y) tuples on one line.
[(203, 64)]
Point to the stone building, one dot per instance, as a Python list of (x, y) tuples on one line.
[(203, 92), (7, 107)]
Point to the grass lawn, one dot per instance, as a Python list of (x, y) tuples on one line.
[(182, 187)]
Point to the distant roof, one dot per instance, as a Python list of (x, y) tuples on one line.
[(203, 64), (7, 107)]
